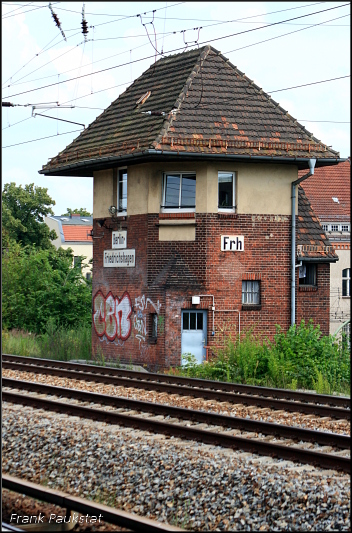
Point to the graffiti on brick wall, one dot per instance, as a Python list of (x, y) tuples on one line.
[(111, 316), (112, 319), (140, 317)]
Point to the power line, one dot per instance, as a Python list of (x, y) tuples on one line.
[(170, 33), (306, 84), (175, 50), (330, 121), (28, 10), (285, 34), (34, 140)]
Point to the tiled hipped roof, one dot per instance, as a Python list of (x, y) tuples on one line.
[(198, 103), (311, 241), (326, 184)]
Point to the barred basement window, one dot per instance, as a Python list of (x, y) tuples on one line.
[(251, 292), (154, 326), (346, 282)]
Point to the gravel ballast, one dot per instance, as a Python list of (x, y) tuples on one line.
[(184, 483)]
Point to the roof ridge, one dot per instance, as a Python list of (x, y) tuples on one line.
[(203, 53)]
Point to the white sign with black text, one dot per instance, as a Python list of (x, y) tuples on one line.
[(119, 239), (232, 243), (117, 258)]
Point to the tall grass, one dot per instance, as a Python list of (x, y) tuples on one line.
[(56, 343), (298, 358)]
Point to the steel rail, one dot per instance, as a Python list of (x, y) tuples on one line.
[(109, 514), (272, 403), (266, 428), (336, 401), (301, 455)]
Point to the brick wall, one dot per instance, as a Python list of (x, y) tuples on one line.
[(314, 302), (167, 274)]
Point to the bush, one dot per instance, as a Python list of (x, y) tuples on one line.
[(298, 358), (39, 284)]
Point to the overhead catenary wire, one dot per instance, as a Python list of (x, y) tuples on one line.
[(41, 138), (169, 33), (177, 49)]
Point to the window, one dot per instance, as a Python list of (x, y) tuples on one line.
[(153, 328), (346, 282), (334, 227), (308, 274), (122, 191), (251, 292), (179, 190), (88, 276), (344, 227), (77, 262), (192, 320), (325, 227), (226, 188)]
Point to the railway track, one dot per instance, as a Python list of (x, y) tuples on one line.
[(110, 515), (248, 435), (280, 399)]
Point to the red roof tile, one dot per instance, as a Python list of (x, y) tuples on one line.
[(312, 243), (77, 233), (328, 183)]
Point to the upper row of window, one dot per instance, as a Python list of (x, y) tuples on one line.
[(179, 191), (336, 227)]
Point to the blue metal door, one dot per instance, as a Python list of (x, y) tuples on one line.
[(194, 334)]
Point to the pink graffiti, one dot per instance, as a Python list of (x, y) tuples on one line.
[(111, 316)]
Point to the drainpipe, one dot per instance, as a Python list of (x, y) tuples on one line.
[(294, 184)]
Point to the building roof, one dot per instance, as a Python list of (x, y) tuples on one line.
[(329, 191), (193, 103), (312, 243), (74, 228), (77, 233)]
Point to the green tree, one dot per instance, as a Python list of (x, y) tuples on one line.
[(41, 284), (81, 211), (23, 212)]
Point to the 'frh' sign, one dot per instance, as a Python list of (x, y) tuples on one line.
[(232, 243)]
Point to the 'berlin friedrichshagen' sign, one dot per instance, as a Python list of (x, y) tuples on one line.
[(119, 258)]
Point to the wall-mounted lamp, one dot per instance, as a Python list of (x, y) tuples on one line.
[(113, 210)]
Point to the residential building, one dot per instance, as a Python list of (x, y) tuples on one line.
[(329, 192), (74, 232), (195, 174)]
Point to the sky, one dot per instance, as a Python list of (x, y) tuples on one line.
[(278, 45)]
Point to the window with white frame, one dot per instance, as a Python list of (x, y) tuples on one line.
[(345, 227), (179, 190), (334, 227), (122, 190), (251, 292), (325, 227), (346, 282), (226, 191)]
